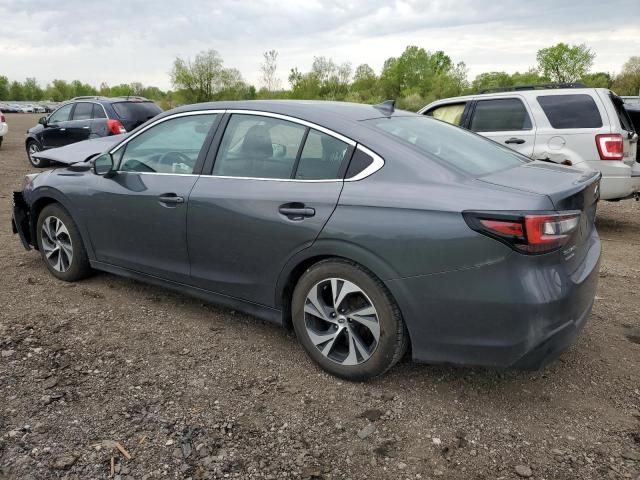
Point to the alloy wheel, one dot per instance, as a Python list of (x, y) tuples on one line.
[(33, 149), (341, 321), (56, 244)]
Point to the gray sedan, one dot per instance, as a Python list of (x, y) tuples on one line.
[(368, 230)]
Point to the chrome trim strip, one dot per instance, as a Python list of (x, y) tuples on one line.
[(377, 164), (296, 120), (160, 120)]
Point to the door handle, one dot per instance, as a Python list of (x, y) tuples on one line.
[(86, 128), (296, 211), (519, 141), (62, 129), (171, 199)]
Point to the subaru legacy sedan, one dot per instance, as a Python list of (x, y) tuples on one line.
[(368, 230)]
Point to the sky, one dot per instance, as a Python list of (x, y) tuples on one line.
[(124, 41)]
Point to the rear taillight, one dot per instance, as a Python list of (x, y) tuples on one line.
[(2, 118), (610, 146), (527, 233), (115, 127)]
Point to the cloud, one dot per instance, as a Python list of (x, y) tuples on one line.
[(124, 41)]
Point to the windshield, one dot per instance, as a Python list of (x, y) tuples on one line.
[(452, 145), (136, 111)]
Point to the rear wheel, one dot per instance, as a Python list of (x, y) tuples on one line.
[(347, 321), (33, 147), (60, 244)]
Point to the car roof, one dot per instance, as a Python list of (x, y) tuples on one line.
[(312, 110)]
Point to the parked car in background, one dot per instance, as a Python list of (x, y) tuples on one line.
[(366, 228), (631, 100), (38, 108), (27, 108), (569, 124), (4, 128), (84, 118), (10, 108)]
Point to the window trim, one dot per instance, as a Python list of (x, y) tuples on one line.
[(376, 164)]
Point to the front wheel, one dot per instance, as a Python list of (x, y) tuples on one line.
[(33, 147), (61, 245), (347, 321)]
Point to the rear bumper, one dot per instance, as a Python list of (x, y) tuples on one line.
[(517, 312), (20, 219), (619, 180)]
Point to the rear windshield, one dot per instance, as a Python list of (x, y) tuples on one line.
[(570, 111), (451, 145), (137, 111)]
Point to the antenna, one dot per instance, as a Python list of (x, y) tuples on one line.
[(387, 107)]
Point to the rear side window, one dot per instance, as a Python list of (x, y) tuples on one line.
[(322, 157), (450, 145), (504, 114), (451, 113), (136, 111), (83, 111), (570, 111)]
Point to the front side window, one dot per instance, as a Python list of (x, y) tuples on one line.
[(62, 114), (258, 147), (500, 115), (449, 113), (172, 146), (571, 111), (83, 111), (450, 145)]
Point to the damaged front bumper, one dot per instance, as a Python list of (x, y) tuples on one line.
[(20, 222)]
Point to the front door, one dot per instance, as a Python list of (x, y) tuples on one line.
[(79, 128), (506, 121), (274, 185), (55, 133), (137, 218)]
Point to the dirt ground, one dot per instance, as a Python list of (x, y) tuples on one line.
[(189, 390)]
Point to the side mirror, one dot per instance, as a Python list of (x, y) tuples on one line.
[(42, 121), (103, 165)]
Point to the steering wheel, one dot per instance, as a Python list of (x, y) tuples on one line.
[(166, 159)]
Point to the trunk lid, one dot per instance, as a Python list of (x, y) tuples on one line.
[(569, 190)]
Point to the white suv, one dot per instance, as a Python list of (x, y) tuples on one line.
[(584, 127)]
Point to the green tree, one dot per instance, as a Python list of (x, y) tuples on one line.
[(530, 77), (488, 80), (628, 81), (597, 80), (59, 91), (565, 63), (16, 91), (198, 80), (270, 80), (4, 88), (32, 90)]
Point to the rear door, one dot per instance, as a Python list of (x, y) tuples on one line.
[(274, 184), (79, 128), (506, 120)]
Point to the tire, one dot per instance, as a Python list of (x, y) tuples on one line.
[(32, 147), (61, 245), (1, 141), (330, 333)]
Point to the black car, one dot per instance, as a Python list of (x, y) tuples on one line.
[(84, 118)]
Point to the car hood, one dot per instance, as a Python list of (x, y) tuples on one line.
[(80, 151)]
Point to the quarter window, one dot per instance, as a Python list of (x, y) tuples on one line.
[(571, 111), (504, 114), (172, 146), (83, 111), (62, 114), (449, 113)]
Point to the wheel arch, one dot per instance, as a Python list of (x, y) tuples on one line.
[(323, 250)]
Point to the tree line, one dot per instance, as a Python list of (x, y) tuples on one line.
[(414, 78)]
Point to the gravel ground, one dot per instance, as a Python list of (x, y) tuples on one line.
[(113, 378)]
